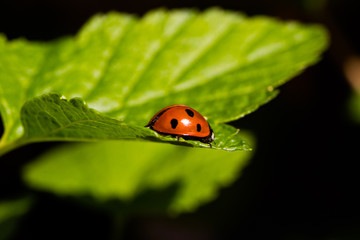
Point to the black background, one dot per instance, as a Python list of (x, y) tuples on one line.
[(303, 181)]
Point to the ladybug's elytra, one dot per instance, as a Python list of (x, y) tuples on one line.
[(182, 121)]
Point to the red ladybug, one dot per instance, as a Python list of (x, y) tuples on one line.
[(182, 121)]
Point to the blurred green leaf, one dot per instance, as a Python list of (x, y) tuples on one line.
[(219, 62), (10, 211), (14, 208), (354, 106), (119, 170)]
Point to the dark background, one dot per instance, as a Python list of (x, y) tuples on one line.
[(303, 181)]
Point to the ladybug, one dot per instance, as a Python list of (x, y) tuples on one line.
[(182, 121)]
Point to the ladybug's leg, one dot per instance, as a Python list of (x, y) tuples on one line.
[(177, 138)]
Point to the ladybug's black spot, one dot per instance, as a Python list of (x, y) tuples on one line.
[(189, 112), (174, 123), (198, 127)]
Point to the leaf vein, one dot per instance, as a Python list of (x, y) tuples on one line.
[(108, 62), (204, 50), (153, 58)]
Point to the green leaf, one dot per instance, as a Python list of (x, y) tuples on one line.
[(109, 171), (51, 117), (10, 211), (354, 107), (14, 208), (219, 62)]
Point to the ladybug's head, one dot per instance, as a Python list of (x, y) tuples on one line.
[(209, 138)]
